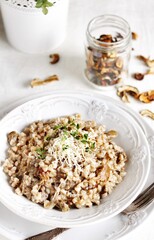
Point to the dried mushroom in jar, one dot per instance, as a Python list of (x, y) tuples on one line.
[(104, 68)]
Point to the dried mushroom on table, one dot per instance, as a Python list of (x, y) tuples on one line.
[(139, 76), (149, 63), (38, 82), (146, 97), (147, 113), (124, 91), (134, 36), (54, 58)]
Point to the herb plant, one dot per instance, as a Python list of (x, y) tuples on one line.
[(44, 4)]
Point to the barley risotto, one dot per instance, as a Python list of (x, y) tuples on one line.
[(64, 162)]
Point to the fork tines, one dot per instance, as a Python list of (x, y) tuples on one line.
[(145, 197)]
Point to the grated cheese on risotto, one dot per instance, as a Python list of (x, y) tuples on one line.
[(64, 162)]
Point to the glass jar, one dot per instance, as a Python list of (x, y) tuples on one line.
[(108, 49)]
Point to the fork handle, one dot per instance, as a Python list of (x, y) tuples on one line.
[(49, 235)]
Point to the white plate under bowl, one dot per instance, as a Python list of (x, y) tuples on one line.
[(130, 137)]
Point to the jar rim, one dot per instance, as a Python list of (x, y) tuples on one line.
[(124, 40)]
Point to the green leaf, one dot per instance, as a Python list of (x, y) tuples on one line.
[(74, 134), (57, 127), (47, 138), (72, 124), (66, 134), (85, 136), (49, 4), (78, 126), (44, 10), (93, 145), (39, 1), (77, 137), (39, 4), (44, 4), (63, 127), (41, 153), (65, 147)]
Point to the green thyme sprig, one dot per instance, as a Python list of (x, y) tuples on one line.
[(72, 129), (41, 153), (65, 147), (47, 138), (44, 4)]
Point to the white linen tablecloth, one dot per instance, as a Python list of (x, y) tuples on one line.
[(18, 69)]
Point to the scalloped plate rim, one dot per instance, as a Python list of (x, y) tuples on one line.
[(36, 100)]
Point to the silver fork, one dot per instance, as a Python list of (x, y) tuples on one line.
[(143, 200)]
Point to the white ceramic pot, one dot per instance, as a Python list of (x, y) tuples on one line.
[(29, 30)]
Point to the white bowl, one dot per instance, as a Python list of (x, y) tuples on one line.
[(93, 107)]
